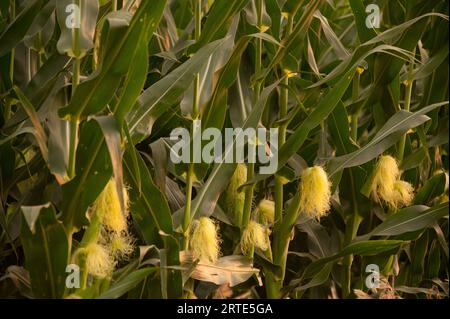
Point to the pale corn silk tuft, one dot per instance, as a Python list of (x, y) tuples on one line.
[(108, 207), (386, 184), (204, 242), (113, 242), (266, 211), (122, 245), (99, 261), (385, 176), (234, 199), (315, 192), (404, 193), (254, 235)]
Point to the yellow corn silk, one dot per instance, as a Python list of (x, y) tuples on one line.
[(404, 193), (122, 245), (110, 241), (204, 242), (385, 176), (108, 207), (99, 261), (254, 235), (315, 192), (266, 211), (387, 186)]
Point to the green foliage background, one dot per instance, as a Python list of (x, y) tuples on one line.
[(80, 106)]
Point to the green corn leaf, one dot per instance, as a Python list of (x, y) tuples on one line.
[(390, 133), (93, 171), (46, 250), (77, 21), (123, 40), (408, 220), (18, 28), (160, 96), (123, 286)]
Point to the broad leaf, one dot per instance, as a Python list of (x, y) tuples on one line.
[(46, 250)]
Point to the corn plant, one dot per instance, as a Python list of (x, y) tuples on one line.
[(343, 193)]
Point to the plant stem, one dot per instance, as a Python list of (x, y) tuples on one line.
[(355, 219), (351, 231), (284, 98), (280, 245), (273, 285), (249, 190), (29, 66), (407, 106), (248, 197), (69, 233), (114, 5), (355, 116), (187, 207), (72, 147), (74, 122), (278, 199), (282, 139), (195, 114)]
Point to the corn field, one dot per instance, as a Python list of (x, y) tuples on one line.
[(222, 149)]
